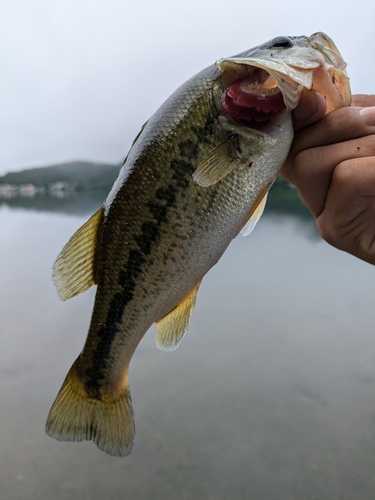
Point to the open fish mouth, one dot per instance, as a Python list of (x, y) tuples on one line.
[(258, 85), (254, 99)]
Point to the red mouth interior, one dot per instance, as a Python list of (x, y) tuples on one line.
[(250, 102)]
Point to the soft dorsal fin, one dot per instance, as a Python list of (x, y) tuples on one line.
[(172, 327), (73, 271), (220, 162), (254, 216)]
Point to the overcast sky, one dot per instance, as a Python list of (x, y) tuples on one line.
[(78, 78)]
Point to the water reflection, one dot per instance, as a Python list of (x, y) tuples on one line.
[(81, 202), (70, 203), (270, 395)]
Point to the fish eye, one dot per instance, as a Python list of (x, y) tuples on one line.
[(282, 42)]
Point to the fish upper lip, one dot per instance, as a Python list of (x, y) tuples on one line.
[(323, 43)]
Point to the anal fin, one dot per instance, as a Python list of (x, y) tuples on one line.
[(73, 271), (172, 327)]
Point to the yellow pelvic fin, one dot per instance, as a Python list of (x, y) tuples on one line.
[(172, 327), (73, 271), (220, 162), (108, 421), (255, 212)]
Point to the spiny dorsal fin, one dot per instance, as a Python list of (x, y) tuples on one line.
[(73, 271), (254, 217), (172, 327), (138, 135), (220, 162)]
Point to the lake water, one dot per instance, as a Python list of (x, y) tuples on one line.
[(271, 394)]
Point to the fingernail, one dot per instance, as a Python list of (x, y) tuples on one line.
[(368, 115)]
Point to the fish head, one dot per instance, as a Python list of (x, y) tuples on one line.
[(259, 84)]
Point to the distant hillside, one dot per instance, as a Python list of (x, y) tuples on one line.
[(101, 181), (81, 174)]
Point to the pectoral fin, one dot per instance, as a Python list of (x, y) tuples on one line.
[(220, 162), (172, 327), (73, 271), (254, 214)]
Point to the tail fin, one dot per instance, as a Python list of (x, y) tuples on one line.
[(108, 421)]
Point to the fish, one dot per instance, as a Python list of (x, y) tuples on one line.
[(196, 175)]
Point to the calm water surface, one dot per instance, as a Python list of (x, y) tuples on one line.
[(271, 395)]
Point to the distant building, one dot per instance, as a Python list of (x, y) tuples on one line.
[(8, 190), (27, 190)]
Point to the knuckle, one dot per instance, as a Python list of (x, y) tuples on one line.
[(338, 118), (327, 232), (330, 231), (305, 159), (342, 173)]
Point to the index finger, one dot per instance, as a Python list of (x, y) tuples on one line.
[(314, 169), (341, 125), (338, 126)]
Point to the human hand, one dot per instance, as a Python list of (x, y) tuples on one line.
[(332, 164)]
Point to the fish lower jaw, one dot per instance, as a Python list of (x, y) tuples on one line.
[(252, 101), (265, 125)]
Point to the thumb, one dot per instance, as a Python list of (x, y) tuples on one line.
[(311, 108)]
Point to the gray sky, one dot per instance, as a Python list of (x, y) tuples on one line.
[(78, 78)]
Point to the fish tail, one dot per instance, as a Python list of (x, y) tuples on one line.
[(107, 421)]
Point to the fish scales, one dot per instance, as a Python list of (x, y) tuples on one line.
[(163, 220), (196, 174)]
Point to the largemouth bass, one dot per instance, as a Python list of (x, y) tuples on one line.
[(196, 175)]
